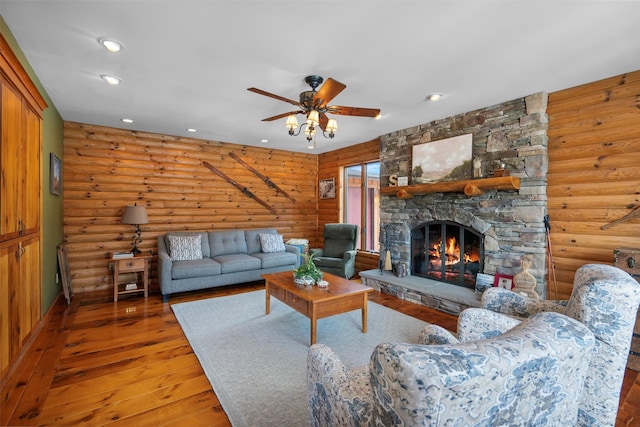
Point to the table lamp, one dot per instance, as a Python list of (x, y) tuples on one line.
[(135, 215)]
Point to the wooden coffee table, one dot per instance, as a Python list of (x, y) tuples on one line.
[(340, 296)]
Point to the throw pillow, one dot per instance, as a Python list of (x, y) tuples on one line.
[(271, 243), (185, 248)]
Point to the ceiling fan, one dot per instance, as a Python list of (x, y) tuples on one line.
[(315, 106)]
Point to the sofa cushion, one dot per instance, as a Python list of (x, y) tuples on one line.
[(276, 259), (272, 243), (185, 247), (233, 263), (253, 238), (226, 242), (195, 268), (204, 241)]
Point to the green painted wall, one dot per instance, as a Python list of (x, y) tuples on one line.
[(52, 206)]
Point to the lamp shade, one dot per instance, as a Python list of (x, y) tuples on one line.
[(135, 215), (332, 126), (292, 122), (310, 132), (313, 119)]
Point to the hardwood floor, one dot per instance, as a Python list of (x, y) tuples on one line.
[(98, 363)]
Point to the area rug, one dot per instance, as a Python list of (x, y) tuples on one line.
[(257, 363)]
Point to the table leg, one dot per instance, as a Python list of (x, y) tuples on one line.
[(145, 280), (267, 303), (364, 314), (115, 283), (313, 317)]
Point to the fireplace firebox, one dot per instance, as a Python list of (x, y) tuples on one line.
[(447, 252)]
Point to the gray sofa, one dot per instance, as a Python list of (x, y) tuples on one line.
[(204, 259)]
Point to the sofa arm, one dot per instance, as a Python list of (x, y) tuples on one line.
[(349, 256), (294, 250), (478, 324), (337, 396), (507, 302), (315, 252), (164, 267), (434, 334)]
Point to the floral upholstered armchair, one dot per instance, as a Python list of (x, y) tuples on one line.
[(530, 375), (605, 299)]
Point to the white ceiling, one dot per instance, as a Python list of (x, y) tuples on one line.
[(188, 64)]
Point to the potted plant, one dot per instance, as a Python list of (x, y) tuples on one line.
[(308, 269)]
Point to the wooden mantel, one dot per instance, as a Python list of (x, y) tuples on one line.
[(470, 187)]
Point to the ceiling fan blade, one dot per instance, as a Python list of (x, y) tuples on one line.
[(329, 90), (323, 121), (353, 111), (271, 95), (279, 116)]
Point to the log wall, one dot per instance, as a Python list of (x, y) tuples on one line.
[(594, 173), (106, 169)]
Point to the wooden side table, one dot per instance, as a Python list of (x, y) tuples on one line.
[(139, 264)]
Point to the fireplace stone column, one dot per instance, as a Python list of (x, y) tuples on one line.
[(512, 134)]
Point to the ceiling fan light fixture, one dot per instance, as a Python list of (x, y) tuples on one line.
[(313, 119), (332, 127), (292, 124), (310, 131)]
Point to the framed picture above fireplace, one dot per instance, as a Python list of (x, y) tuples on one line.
[(444, 160)]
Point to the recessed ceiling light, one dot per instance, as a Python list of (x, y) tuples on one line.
[(127, 120), (434, 96), (264, 140), (112, 80), (191, 130), (110, 44)]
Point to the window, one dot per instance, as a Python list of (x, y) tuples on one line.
[(362, 202)]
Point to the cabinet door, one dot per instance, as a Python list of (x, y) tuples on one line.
[(10, 145), (20, 296), (29, 304), (29, 204), (7, 267)]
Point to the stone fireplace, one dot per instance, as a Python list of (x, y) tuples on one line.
[(506, 225)]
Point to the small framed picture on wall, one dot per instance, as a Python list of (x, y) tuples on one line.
[(327, 188), (503, 281), (55, 175)]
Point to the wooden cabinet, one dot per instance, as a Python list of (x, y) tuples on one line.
[(20, 206), (20, 296), (20, 162)]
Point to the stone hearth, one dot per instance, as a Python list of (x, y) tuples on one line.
[(431, 293), (513, 134)]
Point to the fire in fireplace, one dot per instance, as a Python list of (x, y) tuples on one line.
[(447, 252)]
